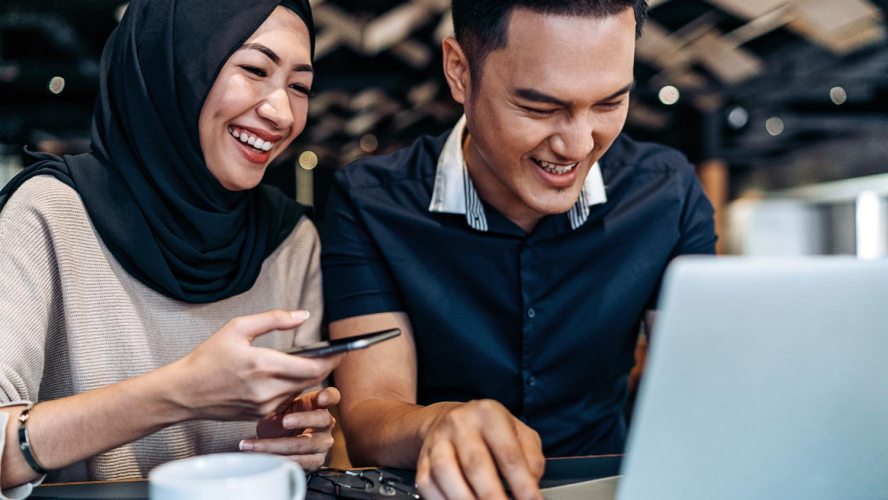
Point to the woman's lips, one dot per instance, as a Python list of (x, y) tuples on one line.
[(250, 153)]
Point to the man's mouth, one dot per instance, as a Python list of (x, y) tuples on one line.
[(555, 168), (251, 139)]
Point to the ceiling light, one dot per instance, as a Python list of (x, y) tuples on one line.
[(774, 126), (56, 85), (669, 95), (308, 160), (838, 95), (369, 143), (738, 117)]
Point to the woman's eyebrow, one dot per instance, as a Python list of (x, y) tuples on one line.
[(276, 58), (265, 50)]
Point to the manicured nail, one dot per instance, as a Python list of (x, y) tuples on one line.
[(289, 422), (300, 315), (245, 445)]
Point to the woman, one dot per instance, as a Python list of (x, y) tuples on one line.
[(119, 265)]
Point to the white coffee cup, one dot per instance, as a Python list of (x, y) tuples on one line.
[(223, 476)]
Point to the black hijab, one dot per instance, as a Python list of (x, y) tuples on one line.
[(144, 183)]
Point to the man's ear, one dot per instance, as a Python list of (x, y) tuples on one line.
[(456, 70)]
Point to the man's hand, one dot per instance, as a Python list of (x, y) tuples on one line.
[(301, 430), (468, 447)]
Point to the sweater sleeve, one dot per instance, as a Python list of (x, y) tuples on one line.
[(30, 277)]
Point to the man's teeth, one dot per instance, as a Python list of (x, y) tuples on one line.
[(252, 140), (556, 169)]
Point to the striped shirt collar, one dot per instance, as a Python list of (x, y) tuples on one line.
[(454, 192)]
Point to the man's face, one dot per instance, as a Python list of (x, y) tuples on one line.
[(547, 107)]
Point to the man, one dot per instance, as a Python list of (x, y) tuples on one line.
[(516, 253)]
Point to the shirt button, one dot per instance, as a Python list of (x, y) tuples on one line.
[(531, 313), (531, 381)]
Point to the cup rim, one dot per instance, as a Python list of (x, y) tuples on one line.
[(160, 474)]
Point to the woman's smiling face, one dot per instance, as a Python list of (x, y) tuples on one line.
[(258, 103)]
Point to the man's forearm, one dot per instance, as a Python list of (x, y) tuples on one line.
[(389, 433)]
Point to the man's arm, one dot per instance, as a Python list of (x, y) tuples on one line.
[(456, 448), (378, 387)]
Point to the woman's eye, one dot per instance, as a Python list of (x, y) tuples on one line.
[(302, 89), (254, 70)]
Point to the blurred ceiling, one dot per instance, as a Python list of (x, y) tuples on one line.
[(758, 82)]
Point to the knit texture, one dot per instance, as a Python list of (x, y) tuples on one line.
[(72, 320)]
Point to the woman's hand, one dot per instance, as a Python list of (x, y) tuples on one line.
[(226, 378), (301, 430)]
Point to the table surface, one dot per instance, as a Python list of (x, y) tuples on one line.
[(559, 471)]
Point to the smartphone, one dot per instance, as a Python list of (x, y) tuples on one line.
[(330, 347)]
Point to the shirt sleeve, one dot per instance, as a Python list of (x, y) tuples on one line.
[(357, 279), (697, 229)]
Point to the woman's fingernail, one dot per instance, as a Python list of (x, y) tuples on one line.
[(300, 315), (289, 422), (245, 445)]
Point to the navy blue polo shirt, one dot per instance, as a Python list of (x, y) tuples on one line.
[(545, 322)]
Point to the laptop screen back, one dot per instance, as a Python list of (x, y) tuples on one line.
[(767, 379)]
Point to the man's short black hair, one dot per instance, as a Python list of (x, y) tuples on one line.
[(481, 26)]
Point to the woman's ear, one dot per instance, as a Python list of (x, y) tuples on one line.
[(456, 70)]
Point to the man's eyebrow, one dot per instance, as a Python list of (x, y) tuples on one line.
[(276, 58), (540, 97), (625, 90)]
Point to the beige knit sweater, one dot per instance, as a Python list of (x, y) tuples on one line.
[(72, 320)]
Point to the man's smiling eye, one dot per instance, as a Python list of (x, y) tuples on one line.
[(611, 105), (539, 112), (254, 70)]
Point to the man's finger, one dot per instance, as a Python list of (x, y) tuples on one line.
[(479, 469), (510, 459), (425, 484), (446, 472), (533, 449)]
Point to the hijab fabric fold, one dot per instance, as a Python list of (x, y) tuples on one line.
[(145, 185)]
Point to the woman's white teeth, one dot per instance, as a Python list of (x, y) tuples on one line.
[(254, 141), (556, 169)]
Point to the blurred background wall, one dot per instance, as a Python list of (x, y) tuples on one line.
[(783, 105)]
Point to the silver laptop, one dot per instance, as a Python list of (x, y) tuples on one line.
[(768, 379)]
